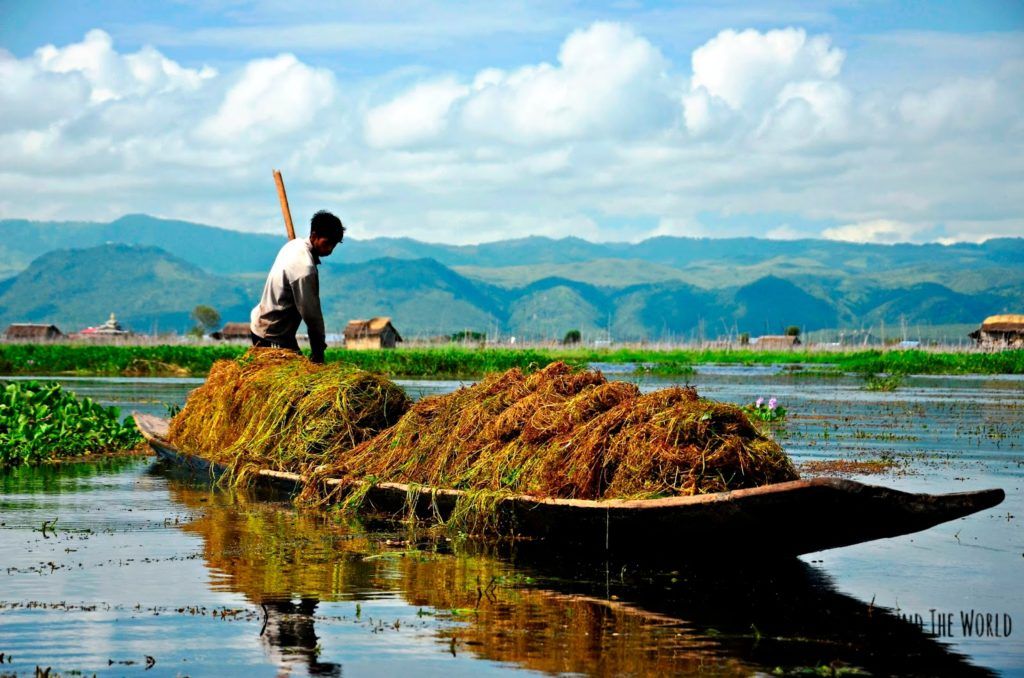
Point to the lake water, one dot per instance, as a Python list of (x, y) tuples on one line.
[(148, 573)]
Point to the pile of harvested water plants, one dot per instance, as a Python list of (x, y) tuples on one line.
[(568, 434), (275, 409), (558, 432)]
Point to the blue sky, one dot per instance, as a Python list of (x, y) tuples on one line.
[(465, 122)]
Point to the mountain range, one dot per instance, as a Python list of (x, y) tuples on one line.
[(152, 272)]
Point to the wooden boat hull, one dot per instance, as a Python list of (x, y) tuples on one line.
[(784, 519)]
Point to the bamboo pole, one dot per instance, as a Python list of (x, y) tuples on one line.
[(285, 210)]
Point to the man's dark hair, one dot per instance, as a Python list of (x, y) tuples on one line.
[(326, 225)]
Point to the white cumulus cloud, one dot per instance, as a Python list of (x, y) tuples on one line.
[(272, 97), (60, 84), (784, 74), (964, 105), (604, 137), (808, 111), (31, 97), (608, 80), (749, 67), (112, 75), (415, 116)]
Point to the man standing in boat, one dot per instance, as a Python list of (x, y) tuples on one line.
[(292, 292)]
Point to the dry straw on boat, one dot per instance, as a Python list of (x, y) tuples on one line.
[(275, 409), (557, 432), (569, 434)]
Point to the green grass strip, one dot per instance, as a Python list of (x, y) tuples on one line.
[(459, 361)]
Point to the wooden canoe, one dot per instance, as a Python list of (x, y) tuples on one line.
[(779, 520)]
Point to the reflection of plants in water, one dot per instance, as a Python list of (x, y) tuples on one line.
[(826, 671), (493, 608), (63, 478), (268, 552), (544, 630)]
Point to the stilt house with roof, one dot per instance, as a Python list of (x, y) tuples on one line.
[(372, 333), (30, 332), (233, 332), (776, 342), (1000, 331)]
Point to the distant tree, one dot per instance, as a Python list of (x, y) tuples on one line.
[(572, 337), (745, 339), (207, 319), (792, 331)]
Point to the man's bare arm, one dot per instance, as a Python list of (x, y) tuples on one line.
[(306, 292)]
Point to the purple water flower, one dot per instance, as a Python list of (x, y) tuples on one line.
[(758, 403), (772, 404)]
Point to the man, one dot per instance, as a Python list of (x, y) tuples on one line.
[(292, 292)]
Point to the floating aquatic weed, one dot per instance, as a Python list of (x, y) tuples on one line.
[(771, 411), (882, 382), (40, 421)]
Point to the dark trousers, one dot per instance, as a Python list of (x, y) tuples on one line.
[(289, 344)]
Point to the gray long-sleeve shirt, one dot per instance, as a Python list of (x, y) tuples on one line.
[(292, 295)]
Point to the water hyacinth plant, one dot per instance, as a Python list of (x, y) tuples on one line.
[(40, 421), (762, 411), (882, 382)]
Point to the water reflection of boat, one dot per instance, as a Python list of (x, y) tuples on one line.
[(516, 603), (784, 519)]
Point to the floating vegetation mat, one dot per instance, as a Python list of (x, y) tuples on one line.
[(275, 409), (564, 433), (41, 421)]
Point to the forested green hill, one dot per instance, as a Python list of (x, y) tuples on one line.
[(152, 272)]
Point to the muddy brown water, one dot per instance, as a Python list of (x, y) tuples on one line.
[(147, 572)]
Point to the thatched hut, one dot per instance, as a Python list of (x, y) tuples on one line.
[(372, 333), (233, 332), (32, 332), (776, 342), (1000, 331)]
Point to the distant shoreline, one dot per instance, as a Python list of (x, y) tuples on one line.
[(460, 361)]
